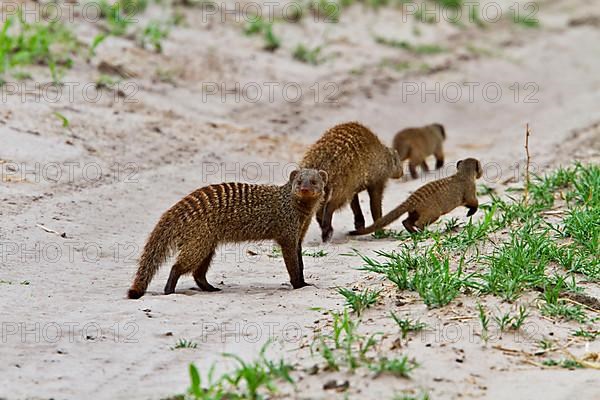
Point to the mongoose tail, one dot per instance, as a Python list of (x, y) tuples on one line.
[(385, 220), (159, 246)]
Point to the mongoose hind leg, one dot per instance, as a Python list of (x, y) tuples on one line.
[(359, 218), (176, 271), (187, 261), (439, 159), (412, 167), (426, 219), (200, 274), (292, 256), (375, 200), (409, 223), (326, 228), (424, 166)]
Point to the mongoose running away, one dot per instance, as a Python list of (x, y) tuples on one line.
[(416, 144), (355, 160), (231, 212), (435, 199)]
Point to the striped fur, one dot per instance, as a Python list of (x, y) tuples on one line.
[(355, 160), (435, 199), (226, 213)]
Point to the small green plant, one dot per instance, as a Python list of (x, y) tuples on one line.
[(564, 363), (98, 39), (589, 335), (395, 366), (359, 301), (422, 396), (485, 322), (153, 34), (247, 381), (307, 55), (184, 344), (408, 325), (259, 26), (556, 307), (50, 44), (64, 120), (197, 391), (417, 49), (106, 82), (343, 346), (315, 254)]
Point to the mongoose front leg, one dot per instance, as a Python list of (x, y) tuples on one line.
[(424, 166), (359, 218), (300, 260), (471, 203), (291, 256), (200, 274), (375, 200)]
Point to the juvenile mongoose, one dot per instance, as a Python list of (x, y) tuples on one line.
[(355, 160), (232, 212), (416, 144), (435, 199)]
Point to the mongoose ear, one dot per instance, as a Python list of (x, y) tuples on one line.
[(324, 176), (458, 164), (294, 174), (479, 170)]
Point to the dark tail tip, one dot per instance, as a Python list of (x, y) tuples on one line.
[(134, 293), (354, 233)]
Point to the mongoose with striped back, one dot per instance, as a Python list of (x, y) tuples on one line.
[(435, 199), (416, 144), (355, 160), (231, 212)]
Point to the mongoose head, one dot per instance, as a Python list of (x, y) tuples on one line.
[(469, 166), (441, 129), (395, 164), (308, 183)]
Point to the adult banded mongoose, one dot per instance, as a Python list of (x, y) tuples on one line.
[(355, 160), (416, 144), (231, 212), (435, 199)]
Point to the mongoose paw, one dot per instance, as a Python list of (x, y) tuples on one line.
[(326, 234), (209, 288), (298, 285), (471, 211), (134, 294)]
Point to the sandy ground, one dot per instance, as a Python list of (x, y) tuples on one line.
[(69, 333)]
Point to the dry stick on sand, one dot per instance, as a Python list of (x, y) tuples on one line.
[(526, 191)]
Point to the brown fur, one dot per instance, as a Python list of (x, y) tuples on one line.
[(416, 144), (231, 212), (435, 199), (355, 160)]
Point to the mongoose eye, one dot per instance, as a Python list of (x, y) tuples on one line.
[(313, 181)]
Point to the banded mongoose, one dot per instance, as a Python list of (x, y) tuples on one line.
[(231, 212), (416, 144), (435, 199), (355, 160)]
